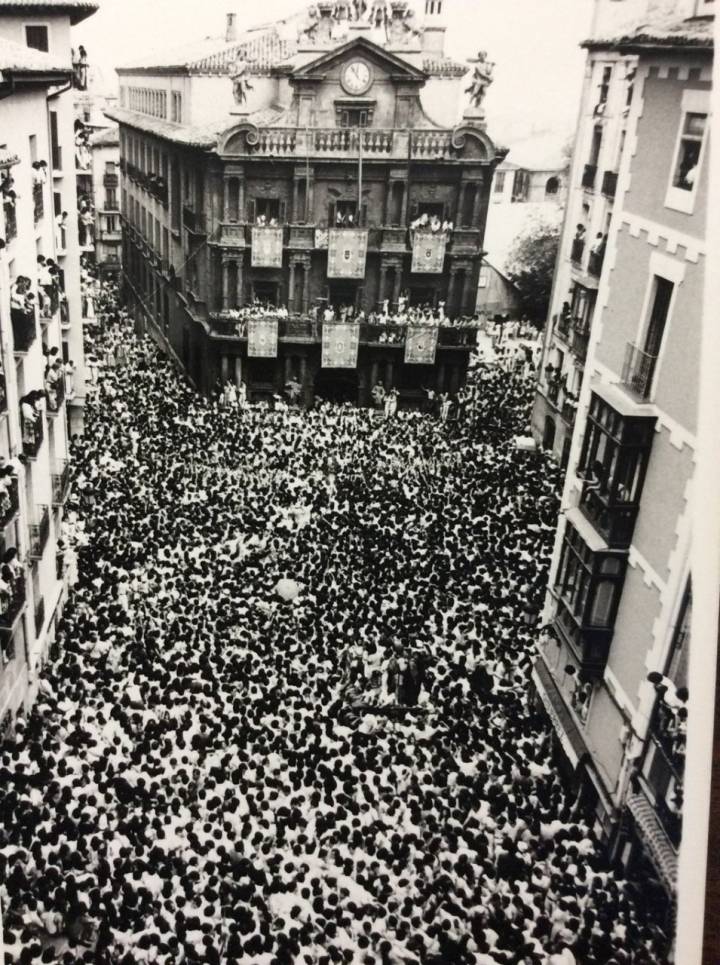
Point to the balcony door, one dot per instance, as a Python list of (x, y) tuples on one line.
[(662, 297)]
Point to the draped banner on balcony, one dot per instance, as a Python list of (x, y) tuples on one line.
[(428, 253), (340, 341), (421, 344), (267, 247), (347, 249), (262, 338)]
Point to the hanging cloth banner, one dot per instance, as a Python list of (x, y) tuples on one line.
[(262, 338), (421, 344), (340, 342), (267, 247), (428, 253), (347, 250)]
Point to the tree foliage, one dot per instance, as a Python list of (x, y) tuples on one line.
[(530, 268)]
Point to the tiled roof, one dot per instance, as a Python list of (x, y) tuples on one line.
[(444, 67), (214, 55), (696, 32), (201, 137), (106, 137), (17, 58), (77, 9)]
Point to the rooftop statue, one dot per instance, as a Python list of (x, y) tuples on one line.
[(481, 79), (240, 81)]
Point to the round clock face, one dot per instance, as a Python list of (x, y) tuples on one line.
[(356, 77)]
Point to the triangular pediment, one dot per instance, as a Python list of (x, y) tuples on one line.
[(330, 59)]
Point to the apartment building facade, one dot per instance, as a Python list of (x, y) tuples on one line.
[(38, 183), (105, 151), (615, 643)]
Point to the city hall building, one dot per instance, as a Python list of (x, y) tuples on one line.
[(286, 166)]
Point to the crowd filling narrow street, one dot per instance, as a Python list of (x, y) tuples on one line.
[(288, 716)]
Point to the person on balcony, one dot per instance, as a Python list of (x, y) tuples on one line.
[(54, 385), (30, 418), (69, 376), (61, 222)]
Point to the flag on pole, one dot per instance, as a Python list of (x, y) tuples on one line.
[(262, 338), (347, 252), (428, 253), (340, 342), (267, 247), (421, 344)]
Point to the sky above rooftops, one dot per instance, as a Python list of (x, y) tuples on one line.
[(535, 44)]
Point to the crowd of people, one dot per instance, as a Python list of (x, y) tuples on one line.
[(287, 717)]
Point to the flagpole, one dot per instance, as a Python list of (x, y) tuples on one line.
[(360, 174)]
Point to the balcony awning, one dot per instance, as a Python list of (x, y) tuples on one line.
[(622, 403), (571, 740), (656, 841), (592, 539)]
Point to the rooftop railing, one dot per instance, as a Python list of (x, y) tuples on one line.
[(339, 142)]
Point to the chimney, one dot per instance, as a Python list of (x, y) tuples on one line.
[(231, 29)]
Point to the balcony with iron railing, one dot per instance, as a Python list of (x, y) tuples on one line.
[(33, 434), (9, 503), (11, 605), (589, 175), (55, 395), (609, 183), (39, 532), (38, 202), (10, 221), (192, 221), (595, 263), (580, 339), (60, 481), (613, 518), (577, 251), (24, 329), (230, 324), (563, 322), (638, 371)]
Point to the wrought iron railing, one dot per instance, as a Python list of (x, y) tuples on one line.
[(13, 603), (638, 370), (39, 532), (10, 222), (55, 394), (577, 251), (24, 329), (580, 340), (595, 263), (12, 505), (33, 434), (60, 481), (38, 201), (39, 616)]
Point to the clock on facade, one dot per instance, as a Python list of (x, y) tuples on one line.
[(356, 77)]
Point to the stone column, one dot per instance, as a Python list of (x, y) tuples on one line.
[(291, 292), (477, 204), (404, 205), (226, 199), (388, 376), (226, 284), (461, 198), (238, 371), (374, 374), (306, 289), (381, 288), (288, 368), (451, 291), (396, 286), (464, 306), (454, 379), (296, 193), (240, 285), (307, 393), (388, 202), (224, 369)]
